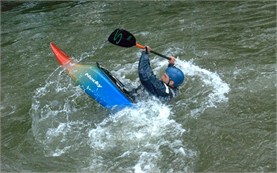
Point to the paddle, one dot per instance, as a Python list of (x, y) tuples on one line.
[(123, 38)]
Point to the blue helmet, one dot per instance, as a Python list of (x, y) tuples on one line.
[(176, 75)]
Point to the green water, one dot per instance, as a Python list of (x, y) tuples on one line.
[(223, 121)]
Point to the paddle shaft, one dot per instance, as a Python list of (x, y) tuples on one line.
[(156, 53)]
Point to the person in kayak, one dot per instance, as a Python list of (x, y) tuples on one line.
[(165, 88)]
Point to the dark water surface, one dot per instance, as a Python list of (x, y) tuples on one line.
[(224, 120)]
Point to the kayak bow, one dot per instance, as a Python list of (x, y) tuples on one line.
[(61, 57)]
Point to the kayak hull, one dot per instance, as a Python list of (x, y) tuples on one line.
[(94, 81)]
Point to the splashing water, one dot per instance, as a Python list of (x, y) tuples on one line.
[(140, 139), (211, 89), (220, 88), (136, 140), (214, 86), (144, 139)]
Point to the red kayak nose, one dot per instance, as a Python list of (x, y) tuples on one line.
[(61, 57)]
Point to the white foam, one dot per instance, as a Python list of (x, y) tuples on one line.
[(140, 134), (212, 79), (53, 114), (219, 88), (132, 140)]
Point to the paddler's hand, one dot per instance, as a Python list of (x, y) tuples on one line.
[(147, 49), (172, 60)]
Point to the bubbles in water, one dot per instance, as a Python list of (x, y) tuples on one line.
[(142, 139), (212, 86), (60, 113), (202, 89)]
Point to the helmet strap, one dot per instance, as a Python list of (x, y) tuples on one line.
[(168, 82)]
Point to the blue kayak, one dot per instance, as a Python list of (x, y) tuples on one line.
[(96, 81)]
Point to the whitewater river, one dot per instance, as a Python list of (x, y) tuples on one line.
[(224, 119)]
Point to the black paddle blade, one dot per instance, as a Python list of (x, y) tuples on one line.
[(122, 38)]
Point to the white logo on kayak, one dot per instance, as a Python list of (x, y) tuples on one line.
[(93, 80)]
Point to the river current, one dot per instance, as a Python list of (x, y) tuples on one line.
[(224, 119)]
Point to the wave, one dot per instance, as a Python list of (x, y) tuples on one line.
[(66, 123)]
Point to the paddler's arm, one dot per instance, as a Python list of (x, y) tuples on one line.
[(144, 64), (145, 70)]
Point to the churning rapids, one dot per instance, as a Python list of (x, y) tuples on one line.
[(140, 138), (224, 119)]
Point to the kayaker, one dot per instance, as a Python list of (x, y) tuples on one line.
[(165, 88)]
